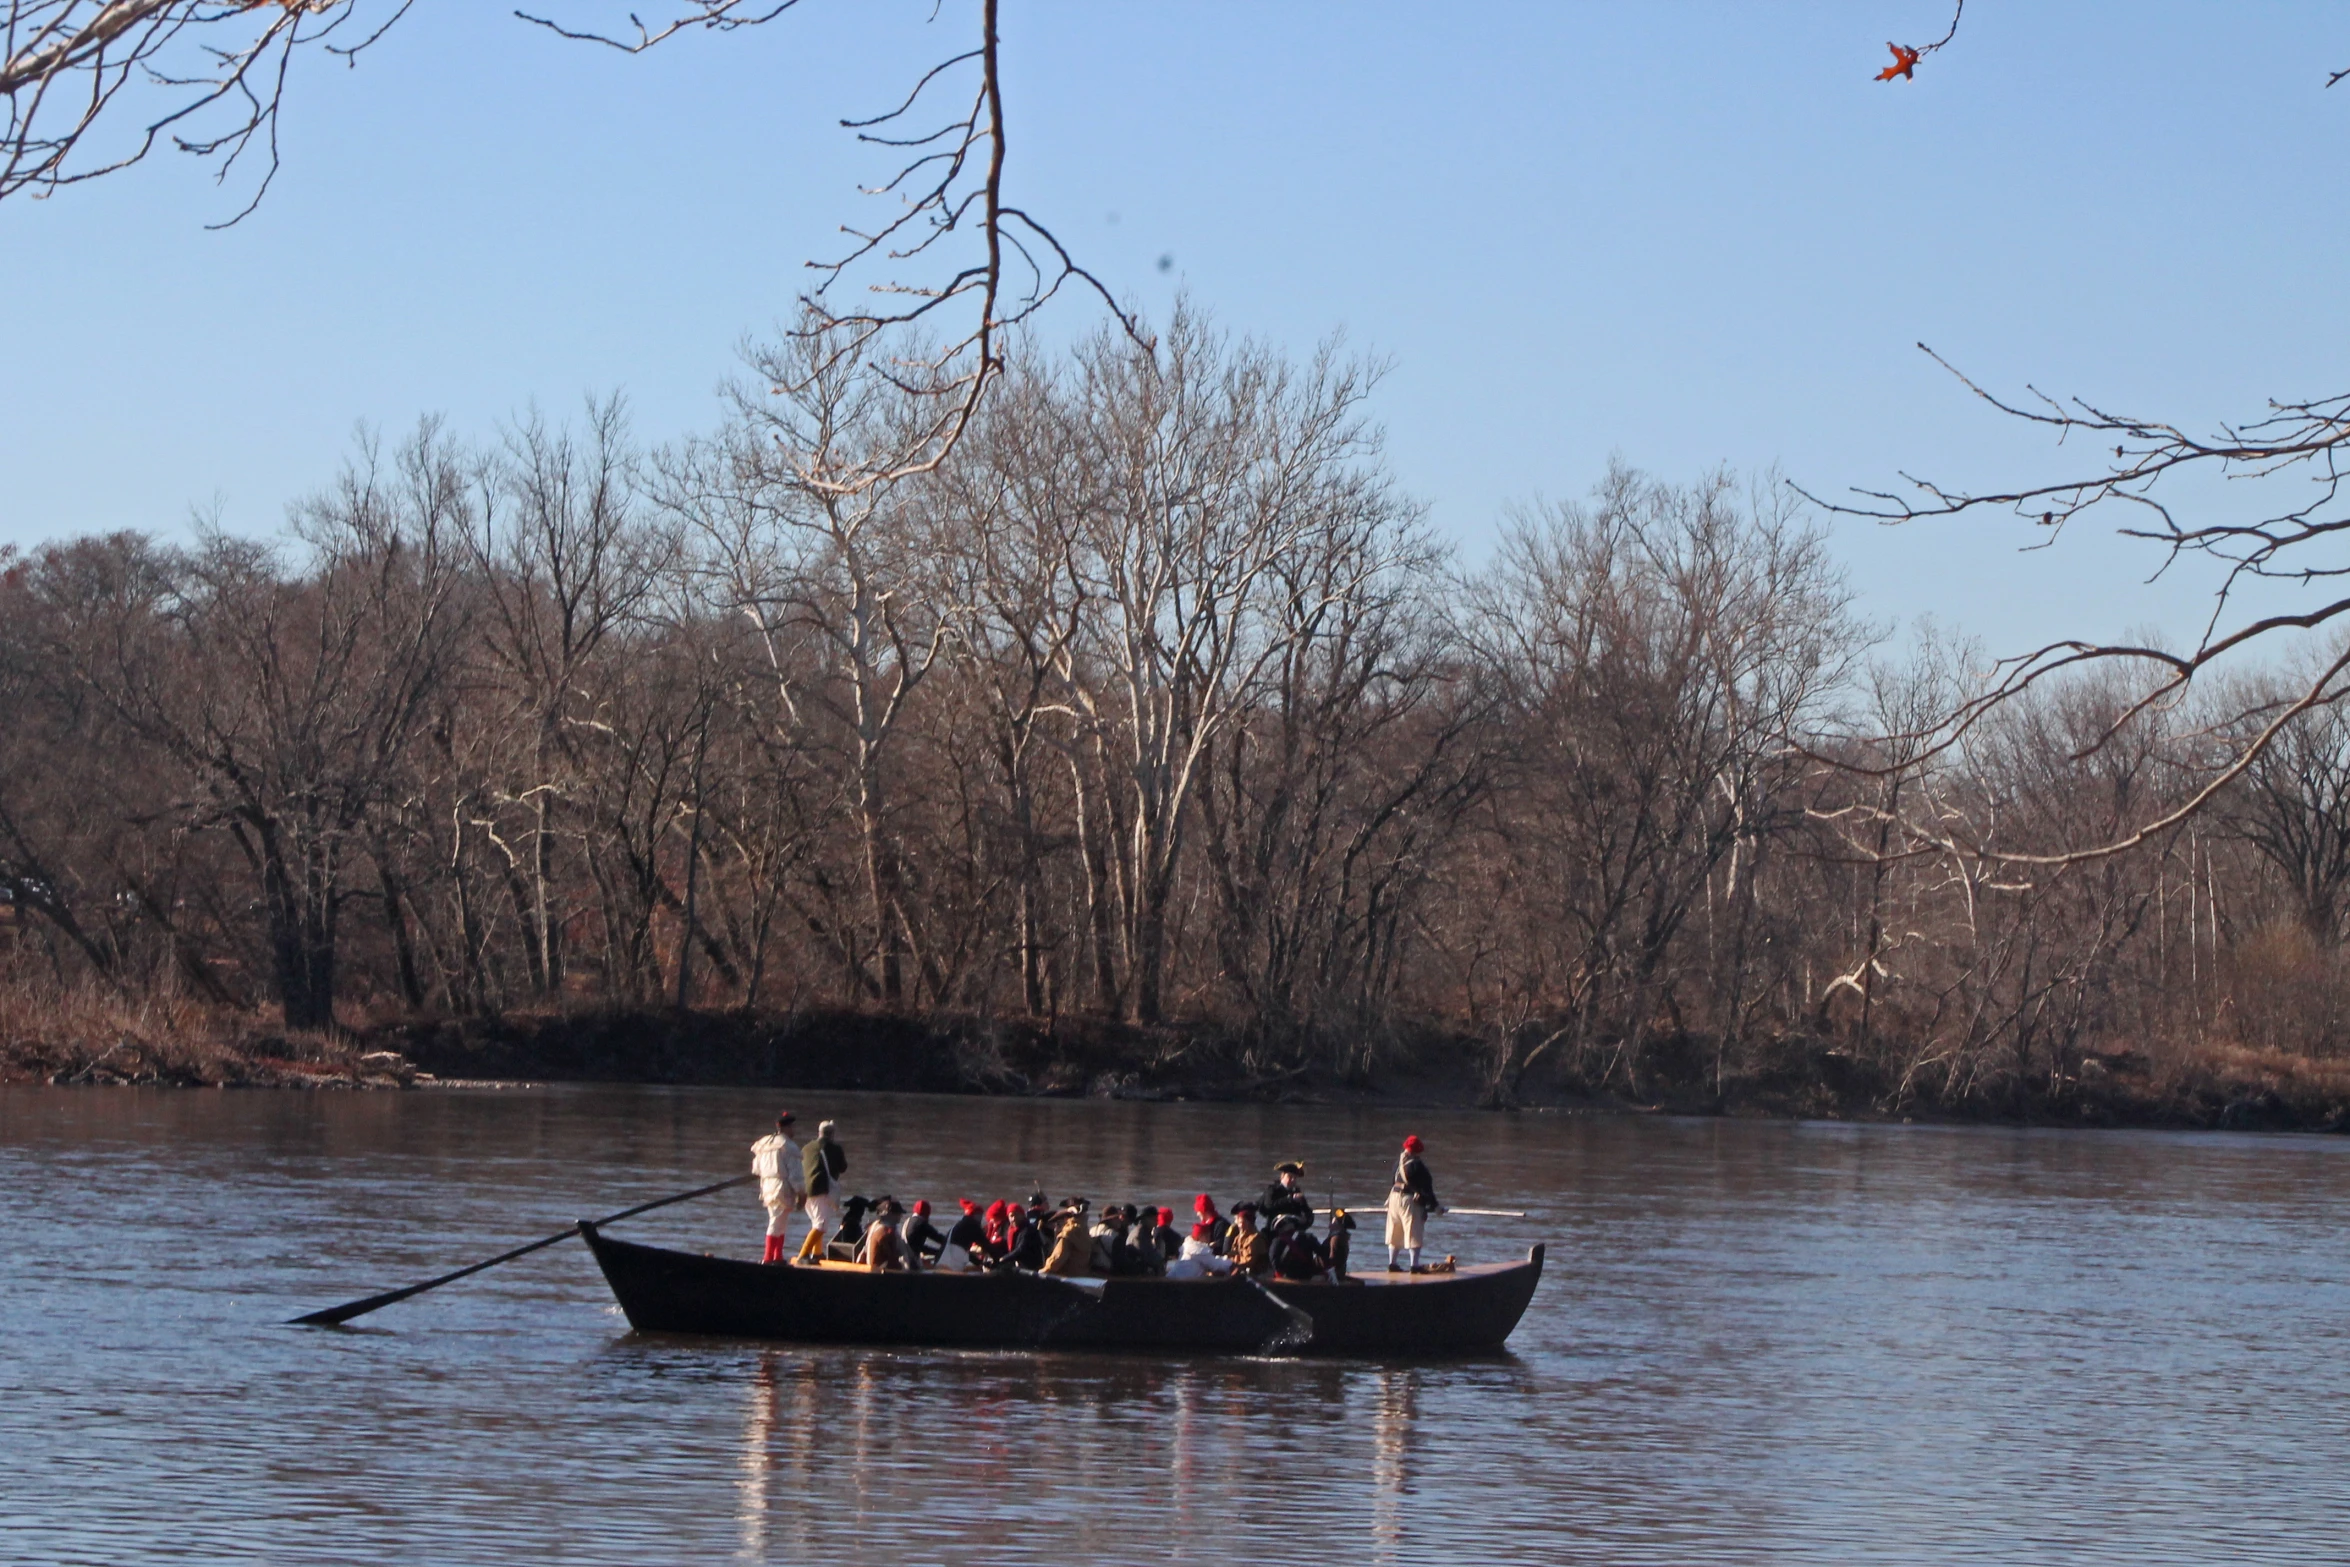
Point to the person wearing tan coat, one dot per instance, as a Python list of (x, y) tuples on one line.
[(1246, 1244), (1072, 1255)]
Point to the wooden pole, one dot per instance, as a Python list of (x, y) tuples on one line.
[(334, 1315)]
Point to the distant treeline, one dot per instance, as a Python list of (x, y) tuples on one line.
[(1153, 701)]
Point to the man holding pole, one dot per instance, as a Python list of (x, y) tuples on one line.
[(776, 1160), (1411, 1198)]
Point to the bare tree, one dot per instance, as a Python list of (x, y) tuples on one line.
[(286, 699), (1660, 654), (1209, 465), (2292, 804), (813, 560), (561, 563)]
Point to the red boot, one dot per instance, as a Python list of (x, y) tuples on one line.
[(774, 1249)]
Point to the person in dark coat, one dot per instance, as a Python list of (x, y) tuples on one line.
[(1411, 1199), (1141, 1255), (1023, 1242), (1287, 1195), (1340, 1244), (1297, 1255), (822, 1164), (1169, 1238), (965, 1246), (922, 1237), (853, 1222), (1212, 1226)]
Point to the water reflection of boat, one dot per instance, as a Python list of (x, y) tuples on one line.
[(663, 1291)]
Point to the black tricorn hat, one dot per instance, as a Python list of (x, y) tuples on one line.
[(1289, 1167)]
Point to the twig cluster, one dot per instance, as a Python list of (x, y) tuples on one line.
[(2289, 545), (211, 75)]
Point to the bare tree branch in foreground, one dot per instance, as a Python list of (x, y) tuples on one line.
[(212, 76), (204, 76), (949, 187), (2291, 539)]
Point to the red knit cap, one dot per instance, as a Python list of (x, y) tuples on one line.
[(1412, 1145)]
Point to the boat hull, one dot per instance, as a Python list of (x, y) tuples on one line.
[(664, 1291)]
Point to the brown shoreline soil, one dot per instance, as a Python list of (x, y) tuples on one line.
[(2213, 1087)]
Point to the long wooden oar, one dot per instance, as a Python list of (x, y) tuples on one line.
[(360, 1308), (1482, 1213)]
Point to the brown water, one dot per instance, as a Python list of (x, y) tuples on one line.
[(1755, 1343)]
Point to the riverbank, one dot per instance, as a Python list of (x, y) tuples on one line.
[(98, 1040)]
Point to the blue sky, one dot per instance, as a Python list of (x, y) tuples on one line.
[(1685, 234)]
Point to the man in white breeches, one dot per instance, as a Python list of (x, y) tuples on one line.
[(776, 1160), (1411, 1197)]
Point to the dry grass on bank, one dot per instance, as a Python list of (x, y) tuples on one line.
[(90, 1033), (87, 1033), (2226, 1084)]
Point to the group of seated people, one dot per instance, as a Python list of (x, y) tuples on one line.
[(1272, 1236)]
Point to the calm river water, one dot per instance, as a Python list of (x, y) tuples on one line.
[(1756, 1342)]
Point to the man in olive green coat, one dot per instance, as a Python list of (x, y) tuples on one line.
[(822, 1164)]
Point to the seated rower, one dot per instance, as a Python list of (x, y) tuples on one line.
[(1196, 1258), (1203, 1208), (1023, 1243), (1072, 1254), (884, 1247), (1286, 1196), (1245, 1245), (1140, 1256), (1170, 1242), (922, 1237), (966, 1240), (1296, 1254), (1108, 1234)]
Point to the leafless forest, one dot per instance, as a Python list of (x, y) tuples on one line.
[(1153, 712)]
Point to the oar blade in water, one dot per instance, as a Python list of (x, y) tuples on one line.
[(333, 1316)]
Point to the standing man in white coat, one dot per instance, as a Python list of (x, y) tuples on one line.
[(775, 1160)]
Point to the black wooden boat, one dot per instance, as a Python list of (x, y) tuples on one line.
[(663, 1291)]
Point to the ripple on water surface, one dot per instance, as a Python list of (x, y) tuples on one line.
[(1755, 1342)]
